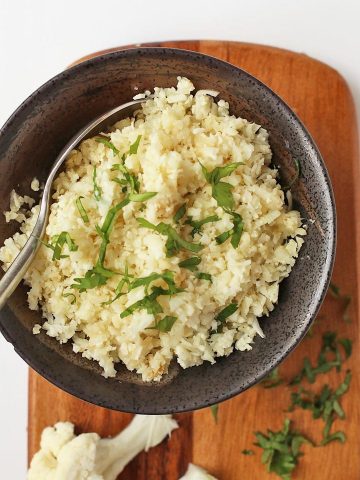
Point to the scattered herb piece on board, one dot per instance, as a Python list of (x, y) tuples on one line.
[(324, 405), (281, 450), (247, 451), (335, 292), (273, 379), (214, 411)]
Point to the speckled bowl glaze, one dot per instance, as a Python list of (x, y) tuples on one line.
[(29, 143)]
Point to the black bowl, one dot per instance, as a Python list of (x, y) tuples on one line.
[(34, 135)]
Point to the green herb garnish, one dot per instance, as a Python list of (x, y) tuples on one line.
[(335, 292), (272, 380), (247, 452), (82, 210), (281, 449), (57, 244), (126, 280), (174, 242), (214, 411), (235, 233), (329, 358), (108, 144), (167, 276), (324, 405), (296, 176), (97, 189), (95, 277), (149, 302), (130, 179), (73, 300), (180, 212), (141, 197), (223, 315), (204, 276), (165, 324), (221, 191), (190, 263), (197, 224), (135, 146)]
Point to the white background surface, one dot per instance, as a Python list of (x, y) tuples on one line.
[(39, 38)]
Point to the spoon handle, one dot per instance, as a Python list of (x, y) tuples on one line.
[(15, 273)]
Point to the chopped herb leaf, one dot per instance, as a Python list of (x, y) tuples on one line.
[(174, 242), (58, 243), (82, 210), (130, 179), (141, 197), (165, 324), (126, 280), (97, 189), (247, 452), (296, 176), (335, 292), (272, 380), (73, 300), (235, 233), (324, 405), (197, 224), (281, 449), (214, 411), (180, 212), (94, 277), (204, 276), (190, 263), (223, 315), (167, 276), (221, 191), (135, 146), (330, 346), (108, 144)]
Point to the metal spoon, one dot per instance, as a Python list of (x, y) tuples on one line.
[(17, 269)]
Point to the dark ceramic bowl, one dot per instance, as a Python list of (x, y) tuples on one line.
[(34, 135)]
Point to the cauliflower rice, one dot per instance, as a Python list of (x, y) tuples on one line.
[(179, 131)]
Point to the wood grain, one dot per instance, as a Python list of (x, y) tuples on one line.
[(321, 98)]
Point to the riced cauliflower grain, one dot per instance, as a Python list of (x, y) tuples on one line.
[(178, 130)]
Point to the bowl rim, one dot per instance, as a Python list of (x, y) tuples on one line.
[(219, 396)]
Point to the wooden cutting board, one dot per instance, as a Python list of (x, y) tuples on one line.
[(322, 99)]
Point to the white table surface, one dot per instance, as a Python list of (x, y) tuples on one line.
[(39, 38)]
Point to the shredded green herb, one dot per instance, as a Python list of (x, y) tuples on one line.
[(179, 213), (223, 315), (82, 210), (108, 144), (235, 233), (149, 302), (204, 276), (167, 276), (335, 292), (324, 405), (126, 280), (273, 379), (197, 224), (165, 324), (214, 411), (190, 263), (73, 300), (296, 176), (247, 452), (281, 450), (135, 146), (95, 277), (221, 191), (174, 242), (97, 189), (329, 358), (141, 197), (58, 242)]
